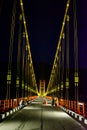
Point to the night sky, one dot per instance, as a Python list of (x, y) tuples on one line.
[(44, 20)]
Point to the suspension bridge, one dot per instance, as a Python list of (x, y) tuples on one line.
[(24, 105)]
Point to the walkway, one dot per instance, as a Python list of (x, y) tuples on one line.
[(37, 116)]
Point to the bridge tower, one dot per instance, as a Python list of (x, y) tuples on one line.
[(42, 87)]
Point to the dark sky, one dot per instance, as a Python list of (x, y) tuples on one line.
[(44, 19), (82, 32), (44, 23)]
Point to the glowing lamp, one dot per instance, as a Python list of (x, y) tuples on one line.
[(67, 18), (67, 83), (22, 84), (76, 79), (26, 87), (17, 81), (61, 85)]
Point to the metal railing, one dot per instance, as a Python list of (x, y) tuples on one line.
[(6, 105), (80, 108)]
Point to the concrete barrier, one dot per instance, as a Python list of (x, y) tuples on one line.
[(75, 115)]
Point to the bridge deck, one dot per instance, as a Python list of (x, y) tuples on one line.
[(37, 116)]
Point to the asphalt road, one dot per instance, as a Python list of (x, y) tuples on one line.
[(37, 116)]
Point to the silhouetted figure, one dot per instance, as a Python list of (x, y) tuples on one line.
[(53, 102)]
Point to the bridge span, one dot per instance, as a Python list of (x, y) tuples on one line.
[(23, 101), (39, 116)]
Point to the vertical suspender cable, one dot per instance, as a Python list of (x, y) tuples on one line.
[(60, 69), (11, 50), (26, 61), (59, 41), (67, 57), (23, 65), (18, 57), (76, 78), (58, 77), (27, 42), (62, 63), (28, 75)]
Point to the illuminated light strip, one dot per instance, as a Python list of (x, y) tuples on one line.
[(59, 42), (63, 24), (32, 90), (28, 45), (51, 91)]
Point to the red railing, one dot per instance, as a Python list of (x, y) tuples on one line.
[(6, 105), (80, 108), (85, 110)]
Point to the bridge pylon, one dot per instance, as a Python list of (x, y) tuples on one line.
[(42, 88)]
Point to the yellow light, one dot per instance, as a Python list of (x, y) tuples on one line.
[(30, 64), (67, 4), (17, 81), (68, 18), (8, 77), (38, 94), (60, 36), (23, 34), (26, 87), (24, 22), (61, 85), (63, 23), (76, 79), (26, 48), (26, 36), (22, 84), (21, 4), (20, 17), (8, 82), (67, 83)]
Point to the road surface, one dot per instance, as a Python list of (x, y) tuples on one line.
[(37, 116)]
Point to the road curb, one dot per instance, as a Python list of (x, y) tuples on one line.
[(10, 112), (75, 115)]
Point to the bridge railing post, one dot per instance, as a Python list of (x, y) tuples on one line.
[(81, 108)]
